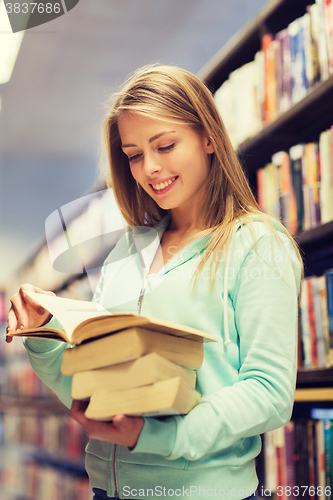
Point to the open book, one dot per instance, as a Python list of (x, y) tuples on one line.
[(83, 320)]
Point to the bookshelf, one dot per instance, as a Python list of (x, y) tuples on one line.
[(301, 121), (41, 449)]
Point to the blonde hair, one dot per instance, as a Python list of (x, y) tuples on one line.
[(175, 94)]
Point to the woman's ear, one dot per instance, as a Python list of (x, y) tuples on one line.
[(209, 146)]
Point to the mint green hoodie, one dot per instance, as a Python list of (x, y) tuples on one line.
[(247, 379)]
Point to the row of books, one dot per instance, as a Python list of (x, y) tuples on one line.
[(298, 460), (286, 68), (316, 321), (18, 379), (56, 434), (30, 480), (296, 186)]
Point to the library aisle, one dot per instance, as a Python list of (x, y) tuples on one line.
[(273, 84)]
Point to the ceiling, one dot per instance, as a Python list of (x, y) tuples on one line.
[(53, 106)]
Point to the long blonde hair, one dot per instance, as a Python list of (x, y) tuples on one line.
[(175, 94)]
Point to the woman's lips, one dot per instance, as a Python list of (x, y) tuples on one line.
[(163, 187)]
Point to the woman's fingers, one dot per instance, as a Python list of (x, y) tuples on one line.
[(25, 312)]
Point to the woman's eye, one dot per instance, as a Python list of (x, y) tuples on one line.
[(167, 148), (134, 157)]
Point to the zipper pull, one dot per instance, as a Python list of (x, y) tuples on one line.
[(142, 291)]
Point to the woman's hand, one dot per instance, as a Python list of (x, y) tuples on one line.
[(25, 312), (122, 430)]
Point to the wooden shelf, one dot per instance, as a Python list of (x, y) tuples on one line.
[(317, 236), (273, 17), (318, 394), (31, 405), (318, 376), (303, 122)]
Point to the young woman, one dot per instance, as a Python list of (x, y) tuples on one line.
[(219, 265)]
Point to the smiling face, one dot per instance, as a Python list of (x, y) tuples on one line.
[(170, 161)]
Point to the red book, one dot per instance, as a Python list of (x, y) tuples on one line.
[(268, 54)]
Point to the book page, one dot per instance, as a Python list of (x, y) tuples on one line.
[(69, 312)]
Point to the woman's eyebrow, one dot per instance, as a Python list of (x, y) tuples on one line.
[(152, 139)]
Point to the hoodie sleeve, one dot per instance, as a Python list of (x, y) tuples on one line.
[(264, 294), (45, 357)]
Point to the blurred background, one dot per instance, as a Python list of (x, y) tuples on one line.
[(53, 105)]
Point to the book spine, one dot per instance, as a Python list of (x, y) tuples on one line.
[(296, 154), (271, 479), (328, 456), (320, 453), (309, 66), (289, 430), (265, 47), (313, 10), (319, 323), (312, 460), (329, 292), (328, 20), (312, 324), (326, 186), (322, 43)]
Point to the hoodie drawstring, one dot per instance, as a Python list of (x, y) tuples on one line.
[(227, 340)]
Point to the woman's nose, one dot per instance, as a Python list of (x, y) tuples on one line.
[(151, 165)]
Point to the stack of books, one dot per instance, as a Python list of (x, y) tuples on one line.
[(124, 363)]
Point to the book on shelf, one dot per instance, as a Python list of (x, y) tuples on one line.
[(326, 182), (298, 459), (82, 321), (167, 397), (314, 39), (289, 64), (329, 302), (130, 344), (328, 21), (328, 451), (296, 155), (297, 187), (145, 370), (289, 430), (298, 63), (318, 22), (314, 330), (268, 105)]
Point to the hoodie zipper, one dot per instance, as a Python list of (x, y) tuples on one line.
[(142, 294), (114, 463), (115, 446)]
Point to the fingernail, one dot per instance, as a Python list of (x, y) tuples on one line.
[(41, 311), (22, 327)]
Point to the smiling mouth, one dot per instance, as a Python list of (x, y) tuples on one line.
[(162, 185)]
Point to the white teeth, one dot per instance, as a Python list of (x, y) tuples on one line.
[(162, 185)]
